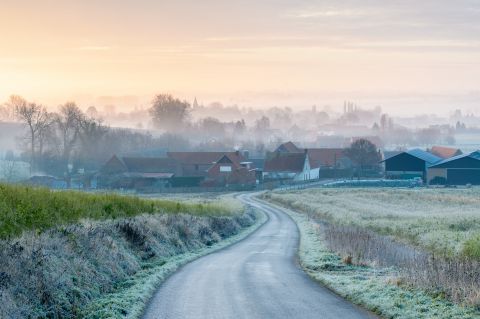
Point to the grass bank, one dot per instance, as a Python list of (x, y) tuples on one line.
[(377, 289), (105, 263), (24, 208)]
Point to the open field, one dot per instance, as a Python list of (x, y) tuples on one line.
[(379, 290), (444, 221), (430, 236)]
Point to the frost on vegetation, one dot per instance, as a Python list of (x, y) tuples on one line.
[(439, 220), (380, 290), (106, 269)]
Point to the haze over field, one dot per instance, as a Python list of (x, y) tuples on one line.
[(406, 56)]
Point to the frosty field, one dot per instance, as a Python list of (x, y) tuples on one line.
[(444, 221)]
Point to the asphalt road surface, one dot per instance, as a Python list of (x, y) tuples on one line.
[(255, 278)]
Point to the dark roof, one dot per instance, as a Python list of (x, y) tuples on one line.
[(285, 162), (445, 152), (423, 155), (474, 155), (319, 157), (388, 154), (150, 164), (204, 158), (429, 158), (288, 147)]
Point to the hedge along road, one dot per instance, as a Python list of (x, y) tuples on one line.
[(255, 278)]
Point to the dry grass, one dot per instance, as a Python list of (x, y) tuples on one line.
[(57, 273), (431, 236), (443, 221)]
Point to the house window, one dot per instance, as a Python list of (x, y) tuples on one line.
[(225, 168)]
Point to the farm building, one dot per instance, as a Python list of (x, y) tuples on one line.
[(229, 171), (329, 162), (136, 172), (458, 170), (288, 166), (445, 152), (178, 169), (409, 164), (288, 147)]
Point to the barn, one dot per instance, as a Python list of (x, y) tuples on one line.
[(458, 170), (409, 164)]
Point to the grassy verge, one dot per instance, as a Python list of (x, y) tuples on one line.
[(24, 208), (74, 255), (377, 289), (132, 295)]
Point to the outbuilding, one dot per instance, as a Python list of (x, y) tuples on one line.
[(458, 170), (409, 164)]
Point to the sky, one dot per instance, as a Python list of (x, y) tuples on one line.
[(407, 56)]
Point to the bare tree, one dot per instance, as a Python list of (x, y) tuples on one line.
[(68, 120), (169, 113), (36, 117)]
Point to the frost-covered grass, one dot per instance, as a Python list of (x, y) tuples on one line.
[(444, 221), (378, 289), (106, 267), (132, 295), (24, 208)]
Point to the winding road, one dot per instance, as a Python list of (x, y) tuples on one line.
[(257, 277)]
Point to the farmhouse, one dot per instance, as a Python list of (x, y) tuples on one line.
[(409, 164), (229, 171), (329, 162), (458, 170), (288, 166), (288, 147), (136, 172), (178, 169)]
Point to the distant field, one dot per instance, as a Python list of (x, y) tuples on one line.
[(445, 221), (27, 208)]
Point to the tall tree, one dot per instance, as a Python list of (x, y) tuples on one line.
[(36, 117), (169, 113), (92, 132), (363, 153), (68, 122)]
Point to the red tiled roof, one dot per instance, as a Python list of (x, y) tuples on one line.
[(288, 147), (285, 162), (445, 152), (321, 157)]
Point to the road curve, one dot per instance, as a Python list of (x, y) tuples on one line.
[(255, 278)]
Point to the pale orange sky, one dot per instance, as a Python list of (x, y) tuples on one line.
[(404, 55)]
